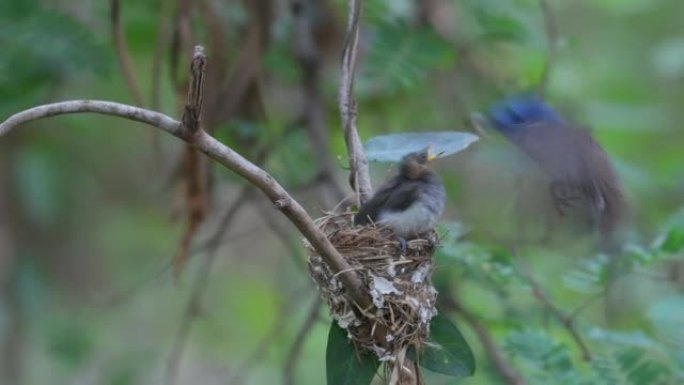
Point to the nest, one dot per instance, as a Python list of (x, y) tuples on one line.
[(399, 284)]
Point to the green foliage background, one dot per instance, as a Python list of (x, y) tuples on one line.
[(91, 205)]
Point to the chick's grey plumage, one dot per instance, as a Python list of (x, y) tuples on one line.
[(410, 203)]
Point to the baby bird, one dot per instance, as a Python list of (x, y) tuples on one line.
[(411, 202)]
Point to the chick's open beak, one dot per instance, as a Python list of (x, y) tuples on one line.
[(432, 156)]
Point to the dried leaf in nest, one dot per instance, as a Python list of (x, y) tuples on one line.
[(399, 284)]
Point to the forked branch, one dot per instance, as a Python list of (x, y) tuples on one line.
[(223, 155), (359, 177)]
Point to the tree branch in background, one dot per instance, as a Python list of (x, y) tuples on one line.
[(359, 177), (300, 338), (313, 106), (238, 375), (12, 332), (181, 37), (551, 43), (122, 54), (282, 234), (192, 308), (449, 301), (217, 41), (567, 321), (197, 206), (226, 97), (161, 42)]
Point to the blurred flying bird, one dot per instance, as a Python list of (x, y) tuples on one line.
[(580, 171), (411, 202)]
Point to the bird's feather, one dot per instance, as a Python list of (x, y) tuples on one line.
[(579, 169), (411, 202), (395, 195)]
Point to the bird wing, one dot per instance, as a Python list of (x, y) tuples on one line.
[(554, 146), (395, 195), (577, 165), (575, 162)]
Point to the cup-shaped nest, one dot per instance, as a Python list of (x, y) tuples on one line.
[(398, 282)]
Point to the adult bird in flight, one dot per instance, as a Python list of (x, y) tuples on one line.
[(580, 172)]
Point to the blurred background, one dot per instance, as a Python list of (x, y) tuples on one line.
[(93, 209)]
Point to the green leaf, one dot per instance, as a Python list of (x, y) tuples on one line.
[(402, 57), (447, 352), (499, 20), (667, 317), (674, 240), (344, 365), (40, 47), (391, 148)]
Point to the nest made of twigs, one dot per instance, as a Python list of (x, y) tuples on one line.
[(399, 284)]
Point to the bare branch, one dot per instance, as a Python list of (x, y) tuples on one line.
[(287, 239), (227, 96), (13, 339), (142, 115), (162, 40), (193, 106), (449, 301), (122, 54), (302, 334), (285, 311), (13, 334), (226, 157), (359, 176), (198, 287), (313, 106), (552, 44), (181, 36), (566, 320)]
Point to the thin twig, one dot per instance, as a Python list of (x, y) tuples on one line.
[(286, 238), (218, 239), (359, 177), (284, 312), (193, 106), (181, 37), (300, 338), (246, 72), (161, 42), (122, 54), (551, 44), (449, 301), (198, 286), (566, 320), (13, 335), (313, 105)]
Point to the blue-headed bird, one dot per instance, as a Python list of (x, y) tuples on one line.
[(580, 172)]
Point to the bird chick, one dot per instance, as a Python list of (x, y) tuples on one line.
[(580, 171), (411, 202)]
